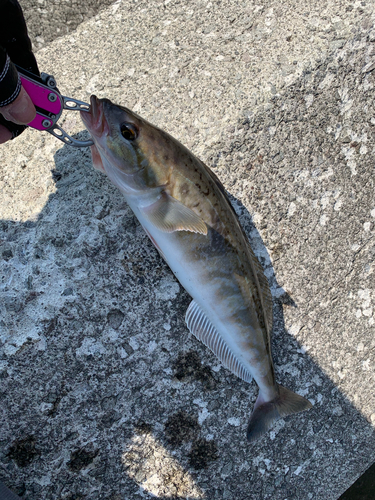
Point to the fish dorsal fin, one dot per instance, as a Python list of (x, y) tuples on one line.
[(168, 215), (246, 291), (200, 326), (264, 289)]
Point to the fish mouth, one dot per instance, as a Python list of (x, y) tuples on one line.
[(94, 119)]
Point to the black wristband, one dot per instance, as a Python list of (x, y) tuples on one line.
[(10, 83), (10, 87)]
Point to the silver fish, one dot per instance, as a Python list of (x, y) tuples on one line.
[(185, 211)]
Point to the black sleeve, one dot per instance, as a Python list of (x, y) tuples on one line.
[(15, 48), (10, 83), (13, 36)]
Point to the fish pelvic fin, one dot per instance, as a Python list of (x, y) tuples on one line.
[(266, 414)]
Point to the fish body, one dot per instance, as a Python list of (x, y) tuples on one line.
[(186, 213)]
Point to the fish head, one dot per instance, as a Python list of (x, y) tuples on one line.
[(134, 154), (116, 133)]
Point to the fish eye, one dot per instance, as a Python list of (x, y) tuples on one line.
[(129, 131)]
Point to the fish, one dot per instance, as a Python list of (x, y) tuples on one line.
[(184, 209)]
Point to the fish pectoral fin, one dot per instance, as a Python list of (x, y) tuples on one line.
[(169, 215), (200, 326)]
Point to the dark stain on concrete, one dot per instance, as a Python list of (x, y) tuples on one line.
[(23, 451), (202, 453), (81, 458), (181, 427), (188, 367)]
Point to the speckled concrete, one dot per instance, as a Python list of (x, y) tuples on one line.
[(104, 394), (49, 19)]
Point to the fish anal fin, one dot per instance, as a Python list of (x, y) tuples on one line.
[(200, 326), (168, 215)]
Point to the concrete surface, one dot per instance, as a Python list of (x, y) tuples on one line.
[(104, 393), (49, 19)]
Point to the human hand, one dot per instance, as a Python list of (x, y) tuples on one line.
[(20, 111), (16, 107)]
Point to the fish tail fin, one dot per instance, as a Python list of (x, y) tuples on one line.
[(266, 414)]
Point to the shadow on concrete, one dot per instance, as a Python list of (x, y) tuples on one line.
[(363, 488)]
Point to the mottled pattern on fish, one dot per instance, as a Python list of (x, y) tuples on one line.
[(198, 188), (224, 255), (185, 211)]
